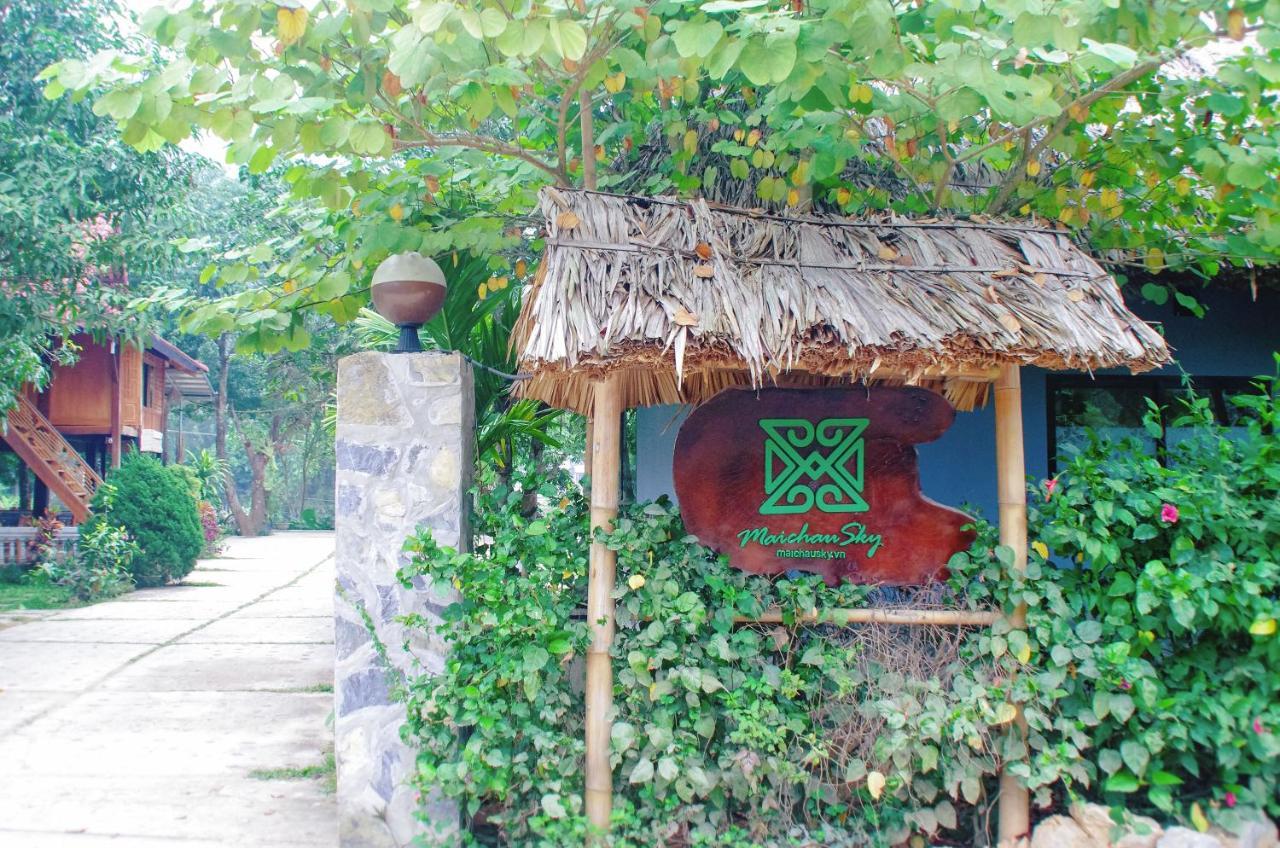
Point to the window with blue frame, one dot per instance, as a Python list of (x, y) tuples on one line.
[(1113, 408)]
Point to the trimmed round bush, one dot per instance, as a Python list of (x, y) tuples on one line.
[(155, 506)]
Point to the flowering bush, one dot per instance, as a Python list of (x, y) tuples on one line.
[(1156, 637), (212, 532)]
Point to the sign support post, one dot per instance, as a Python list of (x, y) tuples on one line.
[(605, 442), (1015, 800)]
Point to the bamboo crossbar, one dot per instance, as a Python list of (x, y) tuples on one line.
[(842, 616), (881, 615)]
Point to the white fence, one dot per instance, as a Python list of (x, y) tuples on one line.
[(15, 543)]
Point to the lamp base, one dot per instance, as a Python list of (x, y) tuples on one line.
[(408, 342)]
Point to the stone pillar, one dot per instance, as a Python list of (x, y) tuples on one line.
[(406, 430)]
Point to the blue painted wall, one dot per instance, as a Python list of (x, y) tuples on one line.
[(1236, 338)]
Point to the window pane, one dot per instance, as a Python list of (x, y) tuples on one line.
[(1111, 412)]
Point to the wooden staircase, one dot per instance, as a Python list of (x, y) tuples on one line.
[(58, 465)]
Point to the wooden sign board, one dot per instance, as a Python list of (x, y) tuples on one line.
[(821, 480)]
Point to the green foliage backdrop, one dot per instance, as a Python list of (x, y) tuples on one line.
[(1143, 674)]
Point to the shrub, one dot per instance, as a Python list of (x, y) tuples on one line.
[(722, 735), (189, 478), (1158, 634), (156, 508), (212, 532), (41, 546), (99, 568)]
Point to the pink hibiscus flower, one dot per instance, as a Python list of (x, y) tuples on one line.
[(1169, 514)]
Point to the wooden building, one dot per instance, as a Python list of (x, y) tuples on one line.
[(115, 397)]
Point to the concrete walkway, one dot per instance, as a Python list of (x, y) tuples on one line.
[(152, 719)]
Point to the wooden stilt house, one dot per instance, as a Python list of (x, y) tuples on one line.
[(115, 397)]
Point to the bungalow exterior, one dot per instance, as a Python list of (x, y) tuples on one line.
[(116, 396)]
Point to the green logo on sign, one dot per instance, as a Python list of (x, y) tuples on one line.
[(799, 454)]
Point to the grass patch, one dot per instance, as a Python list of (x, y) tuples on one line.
[(298, 690), (326, 771), (31, 590)]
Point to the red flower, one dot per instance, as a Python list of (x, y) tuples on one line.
[(1257, 727), (1049, 486), (1231, 799), (1169, 514)]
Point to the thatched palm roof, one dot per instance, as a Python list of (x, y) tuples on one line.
[(684, 299)]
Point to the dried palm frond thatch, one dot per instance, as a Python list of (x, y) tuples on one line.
[(682, 299)]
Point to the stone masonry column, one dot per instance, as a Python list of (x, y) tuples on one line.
[(406, 432)]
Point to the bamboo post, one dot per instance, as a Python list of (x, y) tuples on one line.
[(1015, 800), (605, 448)]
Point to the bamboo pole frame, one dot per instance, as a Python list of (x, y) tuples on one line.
[(605, 447), (1015, 801)]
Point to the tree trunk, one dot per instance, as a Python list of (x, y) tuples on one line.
[(249, 522)]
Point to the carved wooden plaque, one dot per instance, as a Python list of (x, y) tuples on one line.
[(822, 480)]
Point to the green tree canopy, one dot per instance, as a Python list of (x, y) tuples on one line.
[(81, 213), (1102, 115)]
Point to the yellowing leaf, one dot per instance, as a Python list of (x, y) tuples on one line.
[(290, 24), (875, 784), (1198, 818), (1005, 713), (1155, 259), (1033, 168), (843, 196), (396, 212), (521, 267), (793, 197), (1182, 186), (613, 83), (888, 254), (1086, 179), (753, 138), (1040, 548), (1024, 654), (483, 291), (636, 581), (1263, 627), (1235, 24)]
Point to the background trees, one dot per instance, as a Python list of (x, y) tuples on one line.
[(1099, 115), (84, 218)]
